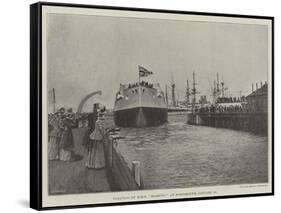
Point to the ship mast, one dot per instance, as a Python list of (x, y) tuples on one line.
[(166, 94), (173, 91), (187, 93), (222, 89), (219, 88), (139, 90), (218, 83), (193, 92), (215, 92), (194, 89)]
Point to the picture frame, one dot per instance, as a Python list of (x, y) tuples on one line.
[(61, 54)]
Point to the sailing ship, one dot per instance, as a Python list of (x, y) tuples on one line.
[(140, 104)]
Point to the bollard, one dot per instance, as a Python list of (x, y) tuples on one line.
[(110, 152), (136, 172)]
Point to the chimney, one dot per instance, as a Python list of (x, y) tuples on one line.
[(261, 84), (257, 86), (252, 87)]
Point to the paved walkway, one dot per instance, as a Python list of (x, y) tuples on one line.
[(73, 177)]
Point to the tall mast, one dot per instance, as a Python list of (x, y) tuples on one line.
[(173, 91), (139, 90), (193, 92), (215, 92), (194, 89), (187, 93), (222, 89), (218, 83), (166, 94), (54, 104)]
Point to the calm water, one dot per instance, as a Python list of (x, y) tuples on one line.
[(180, 155)]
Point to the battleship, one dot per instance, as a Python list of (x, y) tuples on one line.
[(140, 104)]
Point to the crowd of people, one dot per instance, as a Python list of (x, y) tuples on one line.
[(61, 143), (224, 109), (60, 135), (231, 99), (142, 83)]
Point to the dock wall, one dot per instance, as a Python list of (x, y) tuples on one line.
[(119, 174), (245, 121)]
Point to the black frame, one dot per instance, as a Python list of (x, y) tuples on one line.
[(36, 102)]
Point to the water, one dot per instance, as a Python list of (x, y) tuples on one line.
[(178, 155)]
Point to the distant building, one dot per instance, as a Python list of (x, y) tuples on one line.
[(257, 100)]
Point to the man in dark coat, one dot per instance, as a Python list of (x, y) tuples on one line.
[(92, 118)]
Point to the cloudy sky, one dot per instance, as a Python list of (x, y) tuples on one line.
[(89, 53)]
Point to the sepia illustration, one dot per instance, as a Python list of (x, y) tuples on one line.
[(139, 104)]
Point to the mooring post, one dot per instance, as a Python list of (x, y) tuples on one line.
[(136, 172)]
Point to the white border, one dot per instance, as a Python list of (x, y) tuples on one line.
[(133, 196)]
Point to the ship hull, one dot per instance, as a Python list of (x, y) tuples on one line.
[(140, 117)]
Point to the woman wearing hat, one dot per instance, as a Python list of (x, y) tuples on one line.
[(96, 158), (66, 143), (54, 137)]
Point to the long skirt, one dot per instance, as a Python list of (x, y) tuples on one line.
[(96, 159), (65, 155), (53, 148), (66, 145)]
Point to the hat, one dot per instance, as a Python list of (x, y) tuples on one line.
[(62, 109), (102, 108)]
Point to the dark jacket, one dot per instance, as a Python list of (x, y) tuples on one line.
[(92, 118), (66, 141)]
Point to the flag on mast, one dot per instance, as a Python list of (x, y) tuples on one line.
[(143, 72)]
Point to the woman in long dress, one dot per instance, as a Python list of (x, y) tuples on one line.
[(54, 138), (96, 158), (66, 143)]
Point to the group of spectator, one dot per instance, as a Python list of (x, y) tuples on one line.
[(60, 138), (231, 99), (224, 109), (142, 83)]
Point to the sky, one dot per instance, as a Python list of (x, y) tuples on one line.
[(89, 53)]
